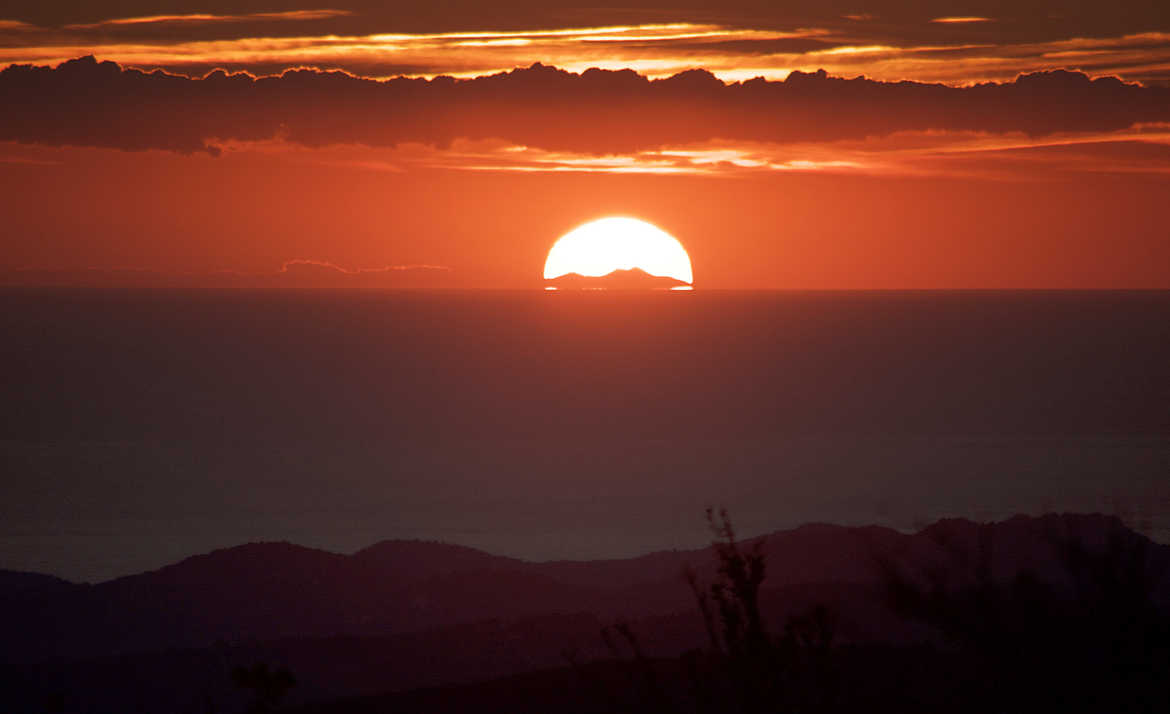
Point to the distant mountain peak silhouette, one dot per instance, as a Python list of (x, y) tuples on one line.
[(632, 279)]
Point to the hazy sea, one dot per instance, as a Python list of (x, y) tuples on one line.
[(141, 426)]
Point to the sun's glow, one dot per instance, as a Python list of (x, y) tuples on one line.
[(617, 243)]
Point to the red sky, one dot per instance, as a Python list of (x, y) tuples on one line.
[(1029, 147)]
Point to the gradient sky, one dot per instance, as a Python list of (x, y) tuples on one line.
[(832, 145)]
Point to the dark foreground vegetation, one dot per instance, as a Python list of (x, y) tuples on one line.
[(1097, 642), (1060, 613)]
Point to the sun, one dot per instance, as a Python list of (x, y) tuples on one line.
[(600, 247)]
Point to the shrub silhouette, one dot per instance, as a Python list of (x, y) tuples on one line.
[(268, 687), (746, 668), (1100, 644)]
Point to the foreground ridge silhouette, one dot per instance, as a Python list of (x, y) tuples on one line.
[(1008, 645), (818, 618)]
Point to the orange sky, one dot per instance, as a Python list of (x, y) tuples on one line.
[(799, 182)]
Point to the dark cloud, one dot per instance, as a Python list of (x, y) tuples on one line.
[(88, 103)]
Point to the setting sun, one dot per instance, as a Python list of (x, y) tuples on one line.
[(600, 247)]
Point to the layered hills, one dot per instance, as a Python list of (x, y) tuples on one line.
[(264, 591), (405, 614)]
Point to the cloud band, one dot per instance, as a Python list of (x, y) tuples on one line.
[(84, 102)]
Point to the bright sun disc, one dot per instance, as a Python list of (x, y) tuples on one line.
[(600, 247)]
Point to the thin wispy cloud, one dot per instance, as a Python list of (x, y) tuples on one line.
[(713, 159), (961, 20), (204, 18), (300, 263), (1013, 156)]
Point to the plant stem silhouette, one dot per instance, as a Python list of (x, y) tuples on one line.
[(268, 687), (747, 669)]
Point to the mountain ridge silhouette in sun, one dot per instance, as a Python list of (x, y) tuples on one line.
[(632, 279)]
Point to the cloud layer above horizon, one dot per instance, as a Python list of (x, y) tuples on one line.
[(84, 102)]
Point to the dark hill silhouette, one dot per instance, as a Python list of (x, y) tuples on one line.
[(268, 591), (401, 615), (15, 583), (632, 279), (424, 559)]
